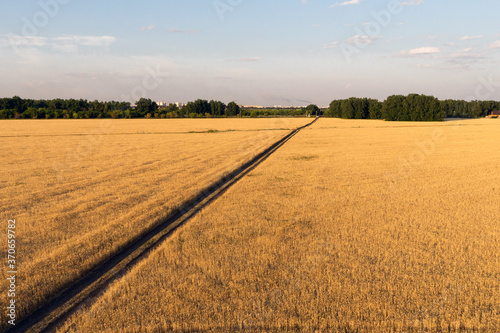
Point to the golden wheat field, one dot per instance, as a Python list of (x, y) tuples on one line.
[(351, 226), (81, 190)]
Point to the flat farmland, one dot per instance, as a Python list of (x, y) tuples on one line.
[(352, 226), (81, 190)]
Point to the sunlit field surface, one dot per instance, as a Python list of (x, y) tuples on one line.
[(80, 190), (140, 126), (363, 226)]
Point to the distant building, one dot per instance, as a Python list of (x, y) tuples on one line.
[(165, 104), (253, 106), (495, 114)]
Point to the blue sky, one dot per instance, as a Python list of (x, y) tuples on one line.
[(257, 52)]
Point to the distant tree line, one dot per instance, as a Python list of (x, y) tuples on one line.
[(395, 108), (18, 108), (311, 110), (355, 108), (409, 108), (204, 108)]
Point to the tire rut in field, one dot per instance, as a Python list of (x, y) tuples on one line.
[(51, 315)]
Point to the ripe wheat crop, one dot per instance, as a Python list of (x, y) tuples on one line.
[(81, 190), (352, 226)]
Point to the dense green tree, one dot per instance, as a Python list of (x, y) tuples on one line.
[(413, 108), (313, 110), (217, 108), (335, 109), (16, 104), (446, 108), (143, 107), (361, 108), (232, 109), (171, 108), (488, 106), (199, 107), (392, 107), (347, 110), (375, 109), (32, 113)]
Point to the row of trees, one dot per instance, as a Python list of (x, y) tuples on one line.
[(202, 107), (18, 108), (355, 108), (412, 108), (395, 108), (311, 110), (474, 109), (409, 108)]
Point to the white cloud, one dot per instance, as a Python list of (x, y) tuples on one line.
[(464, 55), (358, 39), (67, 48), (182, 31), (495, 45), (14, 40), (148, 28), (331, 45), (84, 40), (424, 50), (448, 59), (345, 3), (250, 59), (462, 59), (62, 43), (412, 3), (471, 37), (421, 51), (71, 44), (390, 40), (247, 59)]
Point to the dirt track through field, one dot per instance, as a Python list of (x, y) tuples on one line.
[(59, 307)]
